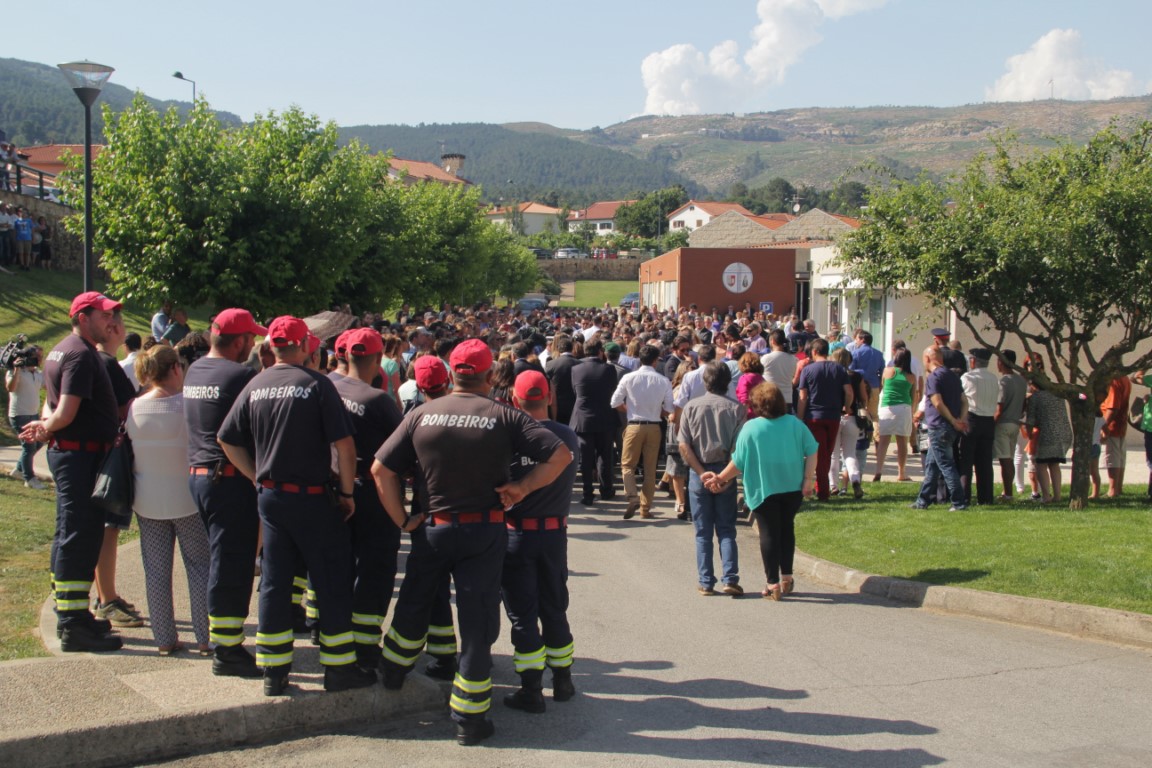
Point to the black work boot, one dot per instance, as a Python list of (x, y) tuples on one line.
[(82, 637), (345, 677), (562, 687), (234, 661), (392, 675), (530, 697), (275, 681), (442, 668), (473, 732)]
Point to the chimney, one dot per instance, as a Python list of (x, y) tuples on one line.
[(452, 163)]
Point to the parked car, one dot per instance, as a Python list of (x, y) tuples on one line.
[(630, 299), (603, 253), (541, 253), (567, 253)]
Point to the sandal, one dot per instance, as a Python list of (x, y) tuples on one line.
[(169, 650), (786, 585), (771, 592)]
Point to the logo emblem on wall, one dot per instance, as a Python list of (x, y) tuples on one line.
[(737, 277)]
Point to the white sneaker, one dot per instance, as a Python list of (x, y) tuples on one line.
[(35, 484), (16, 473)]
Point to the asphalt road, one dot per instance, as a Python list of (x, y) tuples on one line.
[(667, 677)]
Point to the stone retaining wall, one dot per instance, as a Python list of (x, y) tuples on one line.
[(563, 270)]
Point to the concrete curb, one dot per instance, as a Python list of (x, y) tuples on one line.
[(1085, 621), (180, 733)]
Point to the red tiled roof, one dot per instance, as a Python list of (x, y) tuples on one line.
[(772, 220), (526, 208), (854, 223), (46, 157), (711, 208), (418, 169), (599, 210)]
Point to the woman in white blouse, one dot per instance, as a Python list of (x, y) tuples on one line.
[(163, 505)]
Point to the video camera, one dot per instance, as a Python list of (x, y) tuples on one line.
[(17, 354)]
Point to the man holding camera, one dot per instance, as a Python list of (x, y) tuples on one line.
[(24, 382)]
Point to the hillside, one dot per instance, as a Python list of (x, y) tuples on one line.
[(38, 107), (533, 162), (817, 146)]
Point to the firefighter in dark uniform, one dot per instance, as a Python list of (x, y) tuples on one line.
[(225, 498), (463, 445), (375, 538), (80, 425), (278, 434), (535, 580)]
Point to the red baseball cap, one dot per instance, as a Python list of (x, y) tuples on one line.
[(237, 321), (471, 356), (93, 299), (430, 373), (313, 343), (340, 349), (287, 331), (364, 342), (531, 385)]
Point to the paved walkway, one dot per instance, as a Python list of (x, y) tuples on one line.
[(631, 605)]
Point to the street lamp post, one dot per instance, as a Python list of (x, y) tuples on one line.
[(180, 76), (86, 79)]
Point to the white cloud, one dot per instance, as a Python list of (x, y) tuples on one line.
[(1056, 65), (681, 80)]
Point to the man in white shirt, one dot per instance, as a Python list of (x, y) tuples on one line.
[(982, 389), (780, 365), (132, 343), (24, 383), (645, 396)]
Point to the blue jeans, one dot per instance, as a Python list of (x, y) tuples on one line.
[(941, 462), (714, 512), (27, 450)]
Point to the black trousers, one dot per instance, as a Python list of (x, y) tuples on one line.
[(597, 453), (375, 546), (535, 587), (977, 456), (301, 526), (227, 506), (79, 532), (776, 518), (474, 556)]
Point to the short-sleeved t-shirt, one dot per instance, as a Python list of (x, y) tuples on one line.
[(770, 453), (288, 416), (709, 425), (552, 500), (121, 385), (210, 388), (779, 368), (825, 383), (1013, 395), (463, 444), (374, 417), (1119, 393), (942, 381), (74, 367)]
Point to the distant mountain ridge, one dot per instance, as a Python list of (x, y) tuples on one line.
[(707, 154)]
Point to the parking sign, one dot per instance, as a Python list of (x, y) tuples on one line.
[(766, 306)]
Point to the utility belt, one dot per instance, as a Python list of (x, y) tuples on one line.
[(307, 490), (85, 446), (466, 518), (224, 470), (537, 523), (643, 423)]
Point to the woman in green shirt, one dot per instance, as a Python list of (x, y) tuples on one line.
[(776, 454), (897, 393)]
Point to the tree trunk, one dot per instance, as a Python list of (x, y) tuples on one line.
[(1083, 420)]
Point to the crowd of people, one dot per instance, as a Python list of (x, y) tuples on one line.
[(24, 243), (469, 429)]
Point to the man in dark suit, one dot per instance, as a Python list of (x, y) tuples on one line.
[(559, 371), (522, 350), (594, 420)]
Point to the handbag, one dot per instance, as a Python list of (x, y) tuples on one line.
[(115, 486)]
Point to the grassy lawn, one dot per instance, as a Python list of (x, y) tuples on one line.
[(1097, 557), (593, 293), (27, 519)]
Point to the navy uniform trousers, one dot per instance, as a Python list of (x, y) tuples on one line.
[(375, 546), (79, 532), (303, 526), (473, 553), (227, 505), (535, 585)]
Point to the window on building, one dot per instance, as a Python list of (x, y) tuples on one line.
[(677, 224), (605, 225), (699, 223)]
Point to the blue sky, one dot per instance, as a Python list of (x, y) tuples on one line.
[(598, 62)]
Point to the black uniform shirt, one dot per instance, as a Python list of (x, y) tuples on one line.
[(74, 367), (122, 388), (374, 416), (288, 417), (210, 388), (464, 444), (552, 500)]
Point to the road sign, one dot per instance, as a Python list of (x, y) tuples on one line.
[(766, 307)]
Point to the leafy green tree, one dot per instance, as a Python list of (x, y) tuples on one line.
[(264, 216), (647, 217), (1042, 251)]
